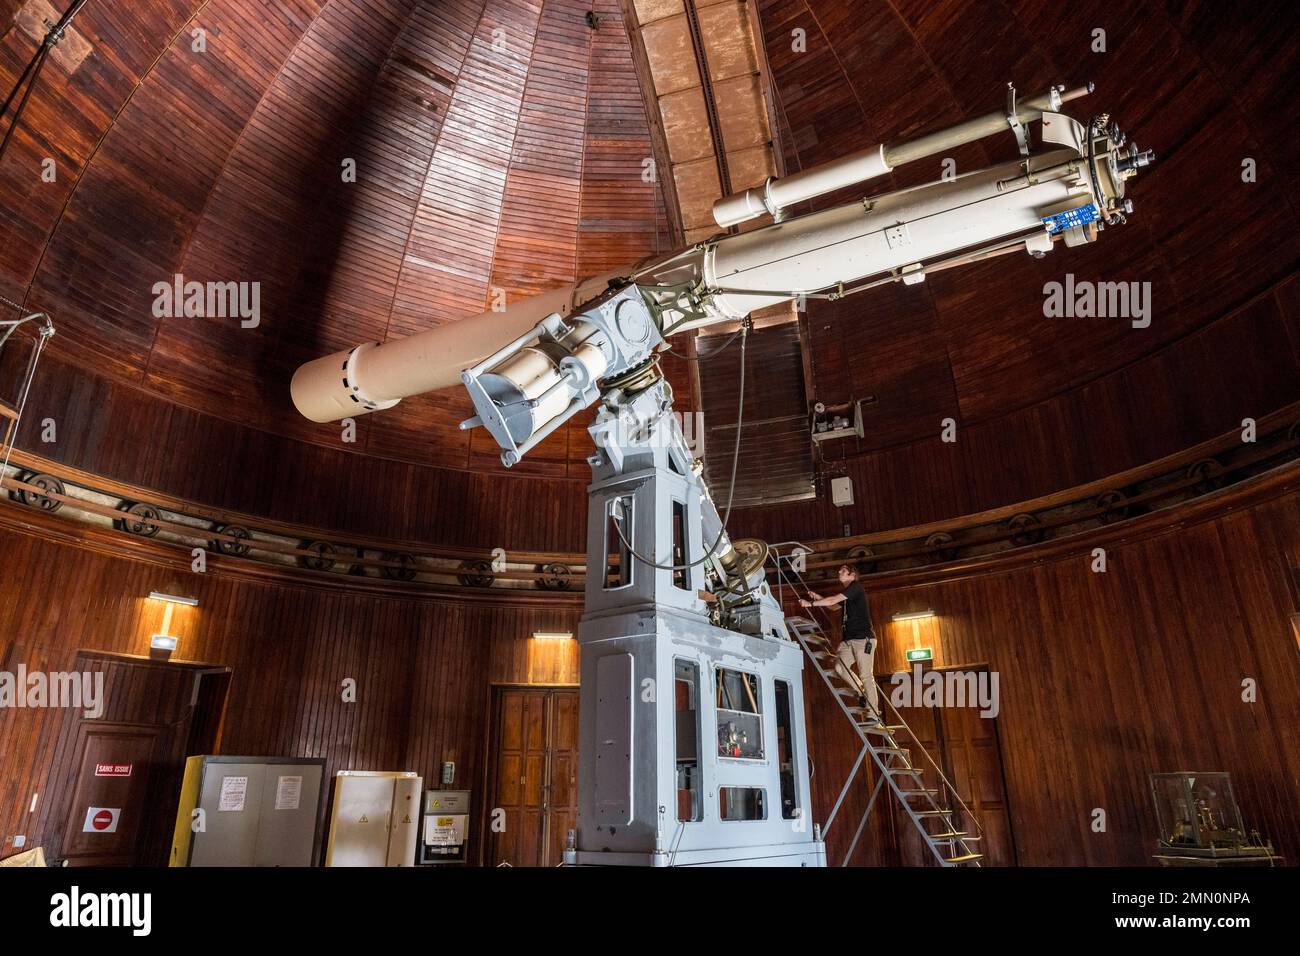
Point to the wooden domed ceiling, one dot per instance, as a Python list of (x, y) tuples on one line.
[(498, 145)]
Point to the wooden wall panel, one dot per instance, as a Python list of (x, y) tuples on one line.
[(1108, 677), (474, 139), (67, 115), (1104, 678), (122, 433), (1244, 366), (422, 668), (623, 215), (1044, 404), (226, 164)]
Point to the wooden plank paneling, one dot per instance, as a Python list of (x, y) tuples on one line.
[(422, 667), (1105, 678), (474, 139), (1043, 404)]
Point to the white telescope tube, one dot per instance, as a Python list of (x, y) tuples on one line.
[(910, 227), (748, 271), (897, 234), (776, 195)]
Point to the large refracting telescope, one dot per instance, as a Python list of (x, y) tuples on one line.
[(692, 745), (1070, 187)]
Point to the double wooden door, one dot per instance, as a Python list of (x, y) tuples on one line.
[(533, 788), (966, 747)]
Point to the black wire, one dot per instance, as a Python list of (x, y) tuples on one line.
[(731, 494), (708, 355), (39, 61)]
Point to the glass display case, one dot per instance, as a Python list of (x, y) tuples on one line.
[(1198, 819)]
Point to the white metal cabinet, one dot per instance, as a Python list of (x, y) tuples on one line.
[(376, 818)]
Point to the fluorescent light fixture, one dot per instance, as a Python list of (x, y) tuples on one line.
[(553, 635), (913, 615), (173, 598)]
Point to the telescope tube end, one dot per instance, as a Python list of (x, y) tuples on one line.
[(326, 390), (739, 207)]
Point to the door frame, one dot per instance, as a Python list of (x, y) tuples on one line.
[(66, 755), (494, 689), (942, 757)]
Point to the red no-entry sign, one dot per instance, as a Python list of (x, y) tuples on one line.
[(101, 820)]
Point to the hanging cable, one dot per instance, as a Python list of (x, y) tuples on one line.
[(731, 493), (708, 355)]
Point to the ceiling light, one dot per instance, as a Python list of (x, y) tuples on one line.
[(553, 635)]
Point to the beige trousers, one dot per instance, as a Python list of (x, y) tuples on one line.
[(855, 652)]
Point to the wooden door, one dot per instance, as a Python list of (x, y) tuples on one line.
[(117, 769), (122, 771), (533, 788), (966, 748), (973, 762)]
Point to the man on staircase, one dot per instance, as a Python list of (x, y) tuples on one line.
[(857, 641)]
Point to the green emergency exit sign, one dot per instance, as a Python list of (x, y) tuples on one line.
[(920, 654)]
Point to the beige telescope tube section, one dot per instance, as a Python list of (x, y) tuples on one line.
[(375, 376)]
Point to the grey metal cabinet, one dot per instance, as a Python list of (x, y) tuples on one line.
[(249, 811)]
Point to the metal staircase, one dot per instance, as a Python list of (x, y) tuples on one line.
[(947, 826)]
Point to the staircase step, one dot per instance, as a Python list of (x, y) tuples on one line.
[(918, 791), (863, 712), (877, 728), (950, 835), (967, 858), (908, 770), (941, 812)]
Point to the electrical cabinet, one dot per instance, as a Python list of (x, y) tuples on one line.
[(376, 818), (248, 811), (444, 832)]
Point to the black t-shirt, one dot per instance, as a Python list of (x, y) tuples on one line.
[(857, 620)]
